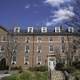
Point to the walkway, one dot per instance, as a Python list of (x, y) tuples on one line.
[(3, 75), (57, 75)]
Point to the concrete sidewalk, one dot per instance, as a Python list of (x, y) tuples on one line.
[(4, 75)]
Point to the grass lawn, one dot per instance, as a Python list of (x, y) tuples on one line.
[(28, 75)]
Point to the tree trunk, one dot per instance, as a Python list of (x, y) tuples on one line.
[(9, 70)]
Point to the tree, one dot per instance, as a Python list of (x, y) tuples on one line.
[(10, 47), (73, 46)]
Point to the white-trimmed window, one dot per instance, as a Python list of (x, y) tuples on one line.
[(27, 39), (1, 48), (17, 29), (50, 39), (51, 49), (39, 60), (43, 29), (27, 49), (39, 39), (70, 29), (39, 49), (14, 57), (26, 59), (1, 51), (30, 29), (26, 55), (57, 29), (3, 38)]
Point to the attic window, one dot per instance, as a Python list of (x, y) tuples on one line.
[(57, 29), (17, 29), (44, 29), (30, 29), (70, 29)]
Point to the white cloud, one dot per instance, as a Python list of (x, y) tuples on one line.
[(61, 15), (27, 6), (54, 2), (65, 13)]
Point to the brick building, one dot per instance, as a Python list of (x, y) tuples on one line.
[(34, 47)]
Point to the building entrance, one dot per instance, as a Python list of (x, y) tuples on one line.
[(51, 63)]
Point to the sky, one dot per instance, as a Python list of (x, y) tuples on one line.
[(36, 12)]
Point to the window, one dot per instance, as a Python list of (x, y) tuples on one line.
[(27, 49), (38, 39), (70, 29), (30, 29), (51, 48), (63, 48), (62, 39), (26, 59), (44, 29), (17, 29), (26, 55), (39, 59), (39, 49), (57, 29), (3, 38), (1, 49), (27, 39), (62, 44), (14, 56), (50, 39)]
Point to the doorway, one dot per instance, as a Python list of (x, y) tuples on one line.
[(51, 63)]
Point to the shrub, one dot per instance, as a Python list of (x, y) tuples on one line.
[(69, 69), (15, 68), (59, 66), (40, 68), (20, 69), (76, 64)]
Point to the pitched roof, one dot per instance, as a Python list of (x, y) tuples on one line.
[(3, 28)]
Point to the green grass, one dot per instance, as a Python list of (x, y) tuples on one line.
[(28, 75)]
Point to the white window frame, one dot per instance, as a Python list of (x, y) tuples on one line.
[(49, 39), (57, 29), (43, 29), (30, 29), (17, 29), (26, 39), (12, 58), (39, 61), (39, 41), (70, 29), (0, 49), (28, 49), (49, 49), (26, 61), (39, 49)]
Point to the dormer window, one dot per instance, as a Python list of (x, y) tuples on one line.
[(30, 29), (44, 29), (70, 29), (57, 29), (17, 29)]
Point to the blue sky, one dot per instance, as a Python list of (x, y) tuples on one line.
[(36, 12)]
